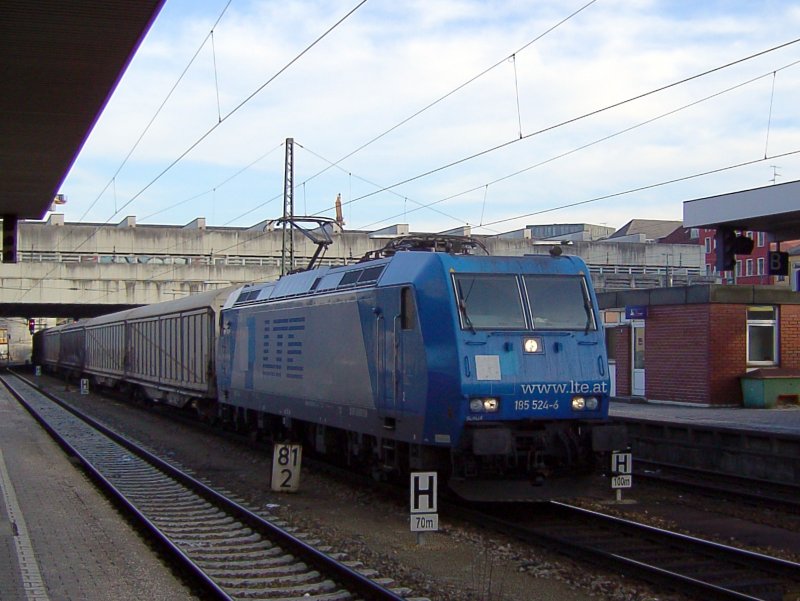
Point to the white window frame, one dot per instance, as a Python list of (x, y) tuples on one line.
[(708, 244), (760, 239), (761, 266), (760, 323), (748, 267)]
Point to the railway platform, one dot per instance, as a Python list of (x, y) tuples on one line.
[(780, 420), (757, 444), (59, 537)]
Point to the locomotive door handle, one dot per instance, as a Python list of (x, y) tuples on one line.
[(396, 362), (379, 355)]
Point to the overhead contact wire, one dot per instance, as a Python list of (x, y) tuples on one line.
[(573, 120), (232, 112), (595, 142), (648, 187), (158, 111), (440, 99)]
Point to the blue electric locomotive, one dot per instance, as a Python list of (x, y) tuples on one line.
[(482, 368)]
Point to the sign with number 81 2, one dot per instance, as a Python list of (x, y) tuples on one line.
[(286, 460)]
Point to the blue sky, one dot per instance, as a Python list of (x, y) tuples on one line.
[(389, 60)]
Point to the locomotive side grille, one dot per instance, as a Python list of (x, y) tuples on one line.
[(283, 348)]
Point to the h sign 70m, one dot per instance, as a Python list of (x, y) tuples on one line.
[(424, 522)]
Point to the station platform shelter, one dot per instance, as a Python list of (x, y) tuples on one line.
[(706, 345)]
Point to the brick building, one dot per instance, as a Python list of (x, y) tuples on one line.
[(692, 344)]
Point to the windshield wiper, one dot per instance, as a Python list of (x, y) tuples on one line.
[(467, 321), (588, 308)]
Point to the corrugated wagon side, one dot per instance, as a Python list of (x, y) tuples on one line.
[(164, 352), (46, 347), (71, 351), (170, 350), (105, 348)]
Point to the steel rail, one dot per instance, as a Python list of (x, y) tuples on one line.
[(701, 481), (555, 534), (348, 578)]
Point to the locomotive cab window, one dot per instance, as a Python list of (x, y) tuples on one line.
[(560, 302), (489, 302)]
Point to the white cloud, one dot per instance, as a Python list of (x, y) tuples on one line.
[(388, 61)]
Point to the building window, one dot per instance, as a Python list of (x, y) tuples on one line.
[(762, 335), (760, 239), (709, 269), (738, 272), (761, 266), (708, 245), (749, 267)]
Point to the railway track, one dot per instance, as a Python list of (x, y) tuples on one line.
[(760, 493), (697, 567), (668, 560), (227, 551)]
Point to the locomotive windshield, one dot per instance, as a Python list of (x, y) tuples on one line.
[(497, 302), (490, 302), (559, 302)]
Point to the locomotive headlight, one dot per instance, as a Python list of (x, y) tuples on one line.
[(591, 403), (532, 345), (486, 405), (476, 405), (578, 403), (491, 405)]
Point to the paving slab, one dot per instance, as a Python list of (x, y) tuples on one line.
[(780, 420), (57, 527)]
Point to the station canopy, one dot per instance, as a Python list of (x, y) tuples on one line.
[(773, 209), (60, 60)]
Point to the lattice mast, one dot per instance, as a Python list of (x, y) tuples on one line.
[(287, 246)]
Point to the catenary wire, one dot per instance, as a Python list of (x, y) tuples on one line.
[(217, 186), (155, 115), (239, 106), (371, 183), (573, 204), (593, 143), (432, 104), (582, 147), (649, 186), (215, 126), (568, 122)]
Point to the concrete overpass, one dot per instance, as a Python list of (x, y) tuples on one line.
[(78, 270)]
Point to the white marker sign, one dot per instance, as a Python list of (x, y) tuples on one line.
[(621, 463), (286, 460), (621, 469), (424, 502), (623, 481)]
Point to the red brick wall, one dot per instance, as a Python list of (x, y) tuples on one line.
[(727, 353), (677, 353), (789, 333), (697, 353)]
